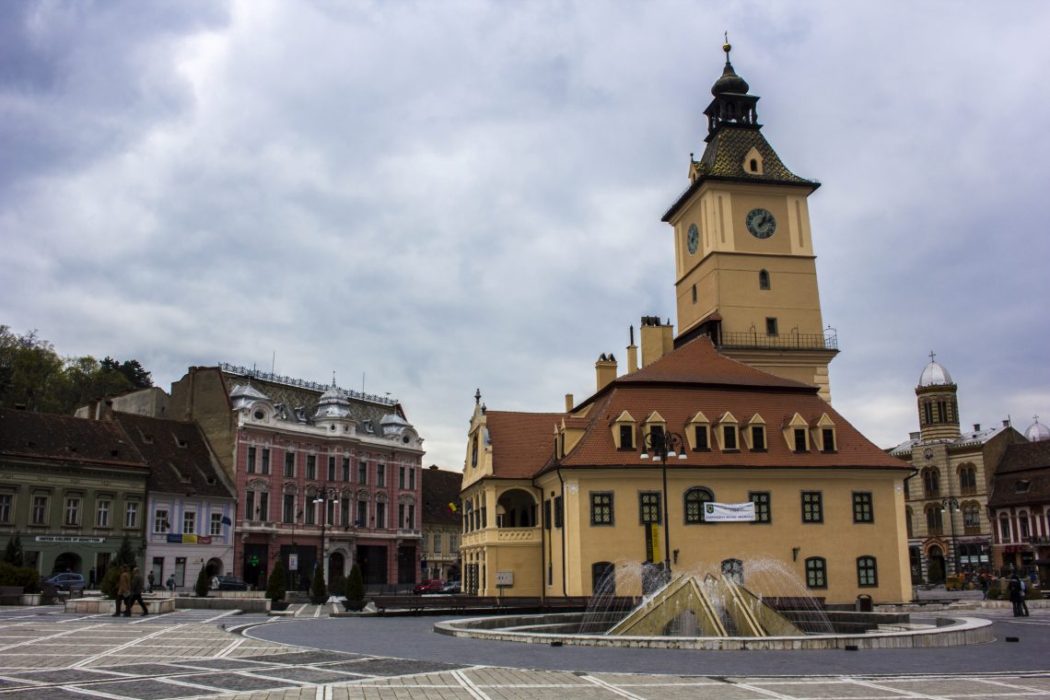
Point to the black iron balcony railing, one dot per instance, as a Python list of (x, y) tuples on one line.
[(788, 341)]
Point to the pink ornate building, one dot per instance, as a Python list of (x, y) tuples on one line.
[(320, 472)]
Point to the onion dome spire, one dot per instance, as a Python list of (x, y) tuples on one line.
[(730, 82), (732, 105)]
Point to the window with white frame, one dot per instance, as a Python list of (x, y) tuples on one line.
[(160, 520), (102, 512), (131, 514), (189, 522), (72, 510), (39, 510), (6, 500), (216, 524)]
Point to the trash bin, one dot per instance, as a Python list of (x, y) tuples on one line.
[(864, 603)]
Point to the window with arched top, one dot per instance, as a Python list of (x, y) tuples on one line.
[(967, 479), (753, 165), (931, 482), (763, 279), (934, 522), (695, 498)]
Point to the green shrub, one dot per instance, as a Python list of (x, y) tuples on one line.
[(318, 589), (108, 587), (13, 553), (24, 576), (203, 584), (355, 589), (1033, 593), (125, 555), (275, 585), (993, 593)]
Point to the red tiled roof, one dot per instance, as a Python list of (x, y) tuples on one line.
[(678, 404), (441, 487), (179, 458), (521, 442), (698, 362), (67, 438)]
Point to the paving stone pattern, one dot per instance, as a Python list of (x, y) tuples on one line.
[(47, 654)]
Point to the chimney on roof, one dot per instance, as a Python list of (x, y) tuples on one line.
[(1006, 422), (657, 340), (976, 427), (569, 403), (632, 355), (605, 370)]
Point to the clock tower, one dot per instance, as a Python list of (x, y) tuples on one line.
[(745, 272)]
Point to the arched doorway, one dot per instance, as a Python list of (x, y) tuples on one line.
[(213, 568), (67, 561), (336, 566), (935, 570)]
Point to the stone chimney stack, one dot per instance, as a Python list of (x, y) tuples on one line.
[(657, 339), (605, 370), (569, 403), (632, 355)]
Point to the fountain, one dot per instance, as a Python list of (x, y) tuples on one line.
[(708, 610)]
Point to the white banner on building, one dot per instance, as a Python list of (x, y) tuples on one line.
[(729, 512)]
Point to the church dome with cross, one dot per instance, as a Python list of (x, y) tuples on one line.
[(934, 374), (1037, 432)]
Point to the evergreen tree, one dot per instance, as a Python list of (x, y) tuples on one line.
[(125, 555), (318, 590), (108, 587), (275, 585), (355, 589), (13, 553), (203, 584)]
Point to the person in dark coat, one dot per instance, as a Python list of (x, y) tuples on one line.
[(1016, 590), (136, 594), (123, 590)]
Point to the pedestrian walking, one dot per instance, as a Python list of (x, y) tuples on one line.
[(136, 594), (170, 583), (1016, 590), (1024, 598), (123, 590), (984, 586), (151, 581)]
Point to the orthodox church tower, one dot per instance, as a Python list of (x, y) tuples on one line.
[(745, 270)]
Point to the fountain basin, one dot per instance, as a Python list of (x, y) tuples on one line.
[(551, 628)]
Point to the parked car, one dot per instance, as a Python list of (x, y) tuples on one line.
[(68, 581), (451, 587), (228, 583), (433, 585)]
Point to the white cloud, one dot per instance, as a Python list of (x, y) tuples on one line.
[(450, 195)]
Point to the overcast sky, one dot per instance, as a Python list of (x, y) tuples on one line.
[(431, 197)]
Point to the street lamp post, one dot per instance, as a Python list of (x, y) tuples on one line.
[(323, 500), (950, 505), (664, 446)]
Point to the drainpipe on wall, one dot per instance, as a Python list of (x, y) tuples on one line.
[(564, 592), (544, 556)]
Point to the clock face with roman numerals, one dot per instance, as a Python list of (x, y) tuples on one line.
[(693, 238), (761, 223)]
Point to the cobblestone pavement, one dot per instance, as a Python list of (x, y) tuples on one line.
[(45, 653)]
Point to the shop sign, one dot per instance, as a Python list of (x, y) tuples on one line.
[(70, 538)]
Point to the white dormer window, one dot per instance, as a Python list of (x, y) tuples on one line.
[(624, 433), (654, 425), (824, 435), (755, 434), (796, 434), (727, 435), (698, 433), (753, 164)]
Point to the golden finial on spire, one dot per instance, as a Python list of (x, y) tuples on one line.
[(727, 47)]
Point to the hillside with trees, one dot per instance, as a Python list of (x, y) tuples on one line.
[(35, 376)]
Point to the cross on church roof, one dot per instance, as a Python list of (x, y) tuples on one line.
[(933, 355)]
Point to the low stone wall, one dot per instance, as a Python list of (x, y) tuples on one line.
[(95, 606), (215, 603), (947, 633)]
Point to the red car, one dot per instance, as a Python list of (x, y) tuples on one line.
[(433, 585)]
